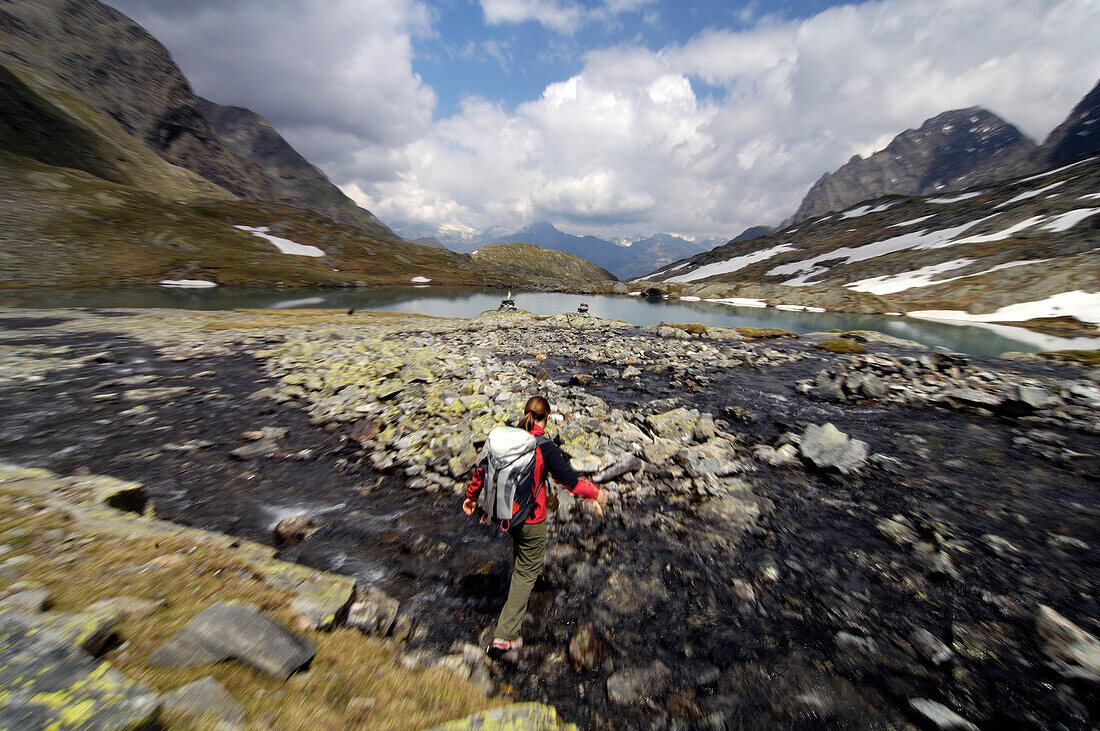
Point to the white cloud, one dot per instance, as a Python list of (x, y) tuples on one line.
[(629, 146), (337, 79), (562, 17)]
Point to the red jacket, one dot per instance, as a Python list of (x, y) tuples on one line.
[(548, 459)]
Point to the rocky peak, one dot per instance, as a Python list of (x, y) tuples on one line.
[(951, 151), (1078, 136), (294, 179), (121, 71)]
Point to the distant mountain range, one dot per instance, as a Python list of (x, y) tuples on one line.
[(626, 259)]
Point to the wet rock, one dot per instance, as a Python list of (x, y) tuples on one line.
[(784, 456), (240, 632), (585, 647), (897, 530), (635, 685), (204, 696), (929, 647), (1073, 652), (295, 529), (829, 448), (261, 449), (580, 379), (975, 397), (940, 716)]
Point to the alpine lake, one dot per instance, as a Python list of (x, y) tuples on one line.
[(989, 340)]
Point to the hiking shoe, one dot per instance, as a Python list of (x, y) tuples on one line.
[(504, 649)]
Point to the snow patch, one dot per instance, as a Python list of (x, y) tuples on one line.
[(733, 264), (1056, 170), (1069, 219), (923, 277), (633, 294), (956, 199), (689, 298), (420, 280), (740, 302), (286, 246), (1085, 306), (864, 210), (187, 283), (924, 239), (289, 304), (1030, 194), (1090, 197), (911, 221)]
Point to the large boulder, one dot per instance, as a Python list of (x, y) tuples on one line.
[(228, 630), (828, 448)]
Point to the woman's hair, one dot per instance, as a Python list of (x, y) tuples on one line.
[(536, 409)]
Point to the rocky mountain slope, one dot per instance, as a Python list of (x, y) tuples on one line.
[(119, 70), (294, 180), (112, 174), (952, 151), (1026, 240), (543, 267), (1078, 136)]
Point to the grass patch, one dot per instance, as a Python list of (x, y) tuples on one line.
[(691, 328), (842, 346), (189, 577), (1090, 358), (764, 333)]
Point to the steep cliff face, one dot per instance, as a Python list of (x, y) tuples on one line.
[(294, 180), (1078, 136), (952, 151), (123, 73)]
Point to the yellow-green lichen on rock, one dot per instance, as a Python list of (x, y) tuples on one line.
[(514, 717)]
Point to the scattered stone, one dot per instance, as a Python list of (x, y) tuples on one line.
[(322, 602), (635, 685), (829, 448), (1074, 653), (295, 529), (929, 647), (940, 715), (204, 696), (585, 648), (228, 630), (49, 678), (626, 463), (515, 717), (30, 600), (128, 606), (374, 612)]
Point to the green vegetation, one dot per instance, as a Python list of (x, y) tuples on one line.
[(764, 333), (354, 681), (691, 328), (842, 346), (1090, 358)]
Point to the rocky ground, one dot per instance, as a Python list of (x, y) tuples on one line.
[(796, 537)]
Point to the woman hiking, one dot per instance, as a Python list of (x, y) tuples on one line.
[(516, 465)]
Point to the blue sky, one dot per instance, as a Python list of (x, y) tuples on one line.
[(513, 62), (620, 118)]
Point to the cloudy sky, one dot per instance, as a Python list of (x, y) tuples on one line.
[(620, 118)]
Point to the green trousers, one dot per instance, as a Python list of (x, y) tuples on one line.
[(528, 551)]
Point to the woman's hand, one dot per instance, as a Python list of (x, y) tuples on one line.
[(601, 501), (469, 505)]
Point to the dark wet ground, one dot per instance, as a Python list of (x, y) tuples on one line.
[(815, 562)]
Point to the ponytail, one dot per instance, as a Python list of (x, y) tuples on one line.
[(536, 409)]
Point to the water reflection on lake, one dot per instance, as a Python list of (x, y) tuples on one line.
[(464, 302)]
